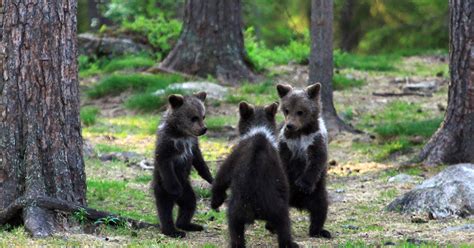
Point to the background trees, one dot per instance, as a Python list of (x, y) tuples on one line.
[(454, 141), (211, 42)]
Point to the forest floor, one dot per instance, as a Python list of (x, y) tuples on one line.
[(361, 165)]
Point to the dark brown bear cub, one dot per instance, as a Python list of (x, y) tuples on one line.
[(303, 151), (253, 171), (177, 150)]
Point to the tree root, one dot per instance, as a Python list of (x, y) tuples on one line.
[(60, 205)]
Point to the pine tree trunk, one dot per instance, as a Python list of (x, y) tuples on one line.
[(321, 61), (211, 42), (40, 133), (454, 141)]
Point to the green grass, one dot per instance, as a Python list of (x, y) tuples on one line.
[(424, 128), (216, 123), (149, 102), (106, 148), (129, 62), (341, 82), (365, 62), (89, 115), (395, 126), (118, 83), (123, 126), (120, 198)]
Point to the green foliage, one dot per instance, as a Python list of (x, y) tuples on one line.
[(120, 198), (88, 67), (128, 62), (110, 221), (149, 102), (341, 82), (106, 148), (365, 62), (262, 57), (396, 126), (118, 83), (123, 126), (216, 123), (89, 115), (160, 32), (80, 216), (424, 128)]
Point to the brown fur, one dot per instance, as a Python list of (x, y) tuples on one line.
[(303, 151), (177, 150), (253, 171)]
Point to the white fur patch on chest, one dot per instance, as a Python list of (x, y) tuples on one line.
[(262, 130), (185, 146), (299, 146)]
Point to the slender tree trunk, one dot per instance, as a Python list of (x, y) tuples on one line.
[(40, 132), (211, 42), (350, 31), (454, 141), (321, 61)]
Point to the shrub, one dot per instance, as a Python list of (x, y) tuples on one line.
[(160, 33), (262, 57)]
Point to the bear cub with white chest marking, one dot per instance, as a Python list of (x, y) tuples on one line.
[(177, 150), (253, 171), (303, 151)]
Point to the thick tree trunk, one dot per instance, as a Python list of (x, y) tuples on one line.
[(211, 42), (321, 61), (454, 141), (40, 133)]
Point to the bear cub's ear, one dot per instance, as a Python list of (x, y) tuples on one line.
[(246, 110), (272, 109), (176, 100), (201, 95), (283, 89), (313, 90)]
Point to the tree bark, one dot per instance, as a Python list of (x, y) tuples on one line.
[(40, 132), (454, 140), (211, 42), (321, 61)]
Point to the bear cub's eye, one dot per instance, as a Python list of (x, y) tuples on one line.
[(195, 119), (300, 113), (286, 111)]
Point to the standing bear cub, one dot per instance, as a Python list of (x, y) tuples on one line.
[(303, 151), (253, 171), (177, 150)]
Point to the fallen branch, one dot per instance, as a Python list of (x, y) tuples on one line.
[(393, 94), (65, 206)]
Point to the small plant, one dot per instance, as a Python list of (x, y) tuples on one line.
[(110, 221), (80, 216), (89, 115)]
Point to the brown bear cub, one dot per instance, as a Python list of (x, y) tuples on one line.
[(303, 151), (253, 171), (177, 150)]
